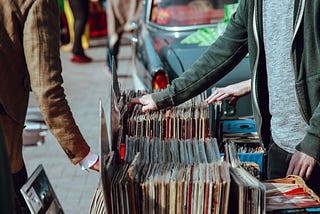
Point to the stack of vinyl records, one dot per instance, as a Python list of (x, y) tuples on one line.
[(167, 162), (170, 161), (187, 121), (250, 154), (247, 193), (290, 195), (243, 133), (144, 185), (138, 187)]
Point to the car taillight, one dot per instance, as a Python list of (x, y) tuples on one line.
[(160, 80)]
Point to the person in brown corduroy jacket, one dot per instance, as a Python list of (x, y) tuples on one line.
[(30, 59)]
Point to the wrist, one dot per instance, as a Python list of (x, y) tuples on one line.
[(88, 161)]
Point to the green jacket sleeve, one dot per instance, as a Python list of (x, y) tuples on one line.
[(311, 143), (219, 59)]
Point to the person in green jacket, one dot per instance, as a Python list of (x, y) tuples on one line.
[(283, 42)]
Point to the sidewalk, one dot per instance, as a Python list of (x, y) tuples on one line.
[(84, 85)]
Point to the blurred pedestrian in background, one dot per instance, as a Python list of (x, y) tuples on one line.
[(30, 59), (80, 11), (120, 15)]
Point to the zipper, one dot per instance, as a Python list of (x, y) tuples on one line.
[(296, 27), (255, 67)]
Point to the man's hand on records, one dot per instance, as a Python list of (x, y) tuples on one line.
[(146, 101), (301, 164), (235, 91)]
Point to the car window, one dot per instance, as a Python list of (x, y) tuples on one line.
[(188, 12)]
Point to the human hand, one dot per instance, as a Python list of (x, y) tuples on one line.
[(95, 166), (301, 164), (146, 101), (235, 91)]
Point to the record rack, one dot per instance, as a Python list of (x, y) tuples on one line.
[(186, 160)]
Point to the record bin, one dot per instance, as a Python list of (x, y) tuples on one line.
[(160, 176), (198, 152), (122, 190)]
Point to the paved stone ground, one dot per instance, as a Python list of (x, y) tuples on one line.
[(84, 85)]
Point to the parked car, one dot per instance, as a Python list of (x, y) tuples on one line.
[(163, 47)]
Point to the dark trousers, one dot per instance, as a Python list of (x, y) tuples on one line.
[(112, 53), (80, 10), (6, 188), (19, 179), (278, 163)]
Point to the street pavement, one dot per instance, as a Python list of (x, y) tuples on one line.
[(85, 85)]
